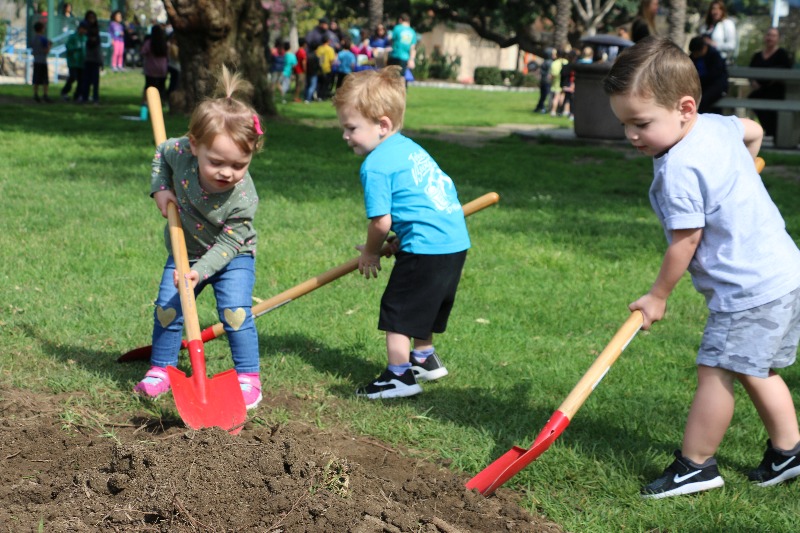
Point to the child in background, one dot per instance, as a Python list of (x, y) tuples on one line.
[(155, 64), (205, 175), (117, 31), (40, 47), (326, 55), (300, 69), (346, 60), (289, 62), (76, 52), (721, 226), (93, 61), (405, 191)]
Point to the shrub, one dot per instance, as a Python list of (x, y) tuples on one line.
[(488, 76), (436, 66)]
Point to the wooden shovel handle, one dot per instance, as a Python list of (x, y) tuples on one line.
[(156, 115), (598, 370), (181, 258)]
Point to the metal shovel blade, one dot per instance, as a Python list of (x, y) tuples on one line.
[(510, 463), (207, 402), (515, 459)]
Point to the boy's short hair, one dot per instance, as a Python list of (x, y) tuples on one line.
[(654, 68), (38, 26), (375, 94)]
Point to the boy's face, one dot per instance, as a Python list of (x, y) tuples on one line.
[(651, 128), (221, 165), (362, 134)]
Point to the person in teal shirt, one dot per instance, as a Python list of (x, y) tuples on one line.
[(289, 62), (404, 40), (76, 55)]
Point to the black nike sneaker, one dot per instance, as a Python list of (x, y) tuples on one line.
[(684, 477)]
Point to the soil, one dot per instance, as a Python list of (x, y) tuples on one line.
[(146, 475)]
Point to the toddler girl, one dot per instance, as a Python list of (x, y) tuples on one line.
[(205, 174)]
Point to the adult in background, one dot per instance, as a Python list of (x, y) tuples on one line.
[(720, 30), (315, 36), (772, 56), (404, 41), (644, 24), (713, 73), (379, 43)]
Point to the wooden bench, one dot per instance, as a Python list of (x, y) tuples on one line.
[(787, 134)]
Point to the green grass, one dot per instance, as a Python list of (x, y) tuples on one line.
[(546, 285)]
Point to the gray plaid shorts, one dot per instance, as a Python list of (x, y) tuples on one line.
[(753, 341)]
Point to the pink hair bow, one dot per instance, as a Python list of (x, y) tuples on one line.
[(257, 124)]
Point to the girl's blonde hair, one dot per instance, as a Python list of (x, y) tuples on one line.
[(375, 94), (654, 68), (227, 114)]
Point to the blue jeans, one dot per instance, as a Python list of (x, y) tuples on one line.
[(233, 289), (311, 87)]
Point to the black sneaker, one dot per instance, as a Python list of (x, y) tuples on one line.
[(431, 369), (684, 477), (390, 385), (777, 466)]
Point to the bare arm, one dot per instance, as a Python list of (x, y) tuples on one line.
[(676, 260), (753, 135), (369, 263)]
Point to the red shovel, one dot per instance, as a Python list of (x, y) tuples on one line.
[(201, 401), (515, 459), (212, 332)]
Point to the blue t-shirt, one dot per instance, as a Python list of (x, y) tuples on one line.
[(403, 38), (347, 60), (708, 180), (401, 179), (289, 61)]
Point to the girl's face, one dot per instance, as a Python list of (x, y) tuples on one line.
[(118, 17), (222, 164), (651, 128), (654, 7), (716, 12), (362, 134)]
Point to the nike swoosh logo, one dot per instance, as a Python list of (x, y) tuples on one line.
[(681, 479), (777, 468)]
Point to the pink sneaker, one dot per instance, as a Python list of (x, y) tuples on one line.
[(154, 384), (251, 389)]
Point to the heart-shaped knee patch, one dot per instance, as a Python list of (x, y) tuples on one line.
[(235, 319), (165, 316)]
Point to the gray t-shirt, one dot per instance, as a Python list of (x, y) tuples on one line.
[(708, 180)]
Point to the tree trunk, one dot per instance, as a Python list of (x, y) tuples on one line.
[(563, 16), (375, 15), (676, 20), (211, 33)]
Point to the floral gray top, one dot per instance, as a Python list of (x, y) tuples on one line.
[(218, 226)]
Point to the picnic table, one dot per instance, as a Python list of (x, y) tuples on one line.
[(787, 134)]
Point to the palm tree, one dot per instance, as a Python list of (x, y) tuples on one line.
[(563, 16), (375, 14)]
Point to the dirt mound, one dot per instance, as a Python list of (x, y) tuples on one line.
[(56, 476)]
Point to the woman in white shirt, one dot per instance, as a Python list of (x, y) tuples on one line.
[(720, 30)]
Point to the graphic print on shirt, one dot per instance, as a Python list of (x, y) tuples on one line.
[(437, 182)]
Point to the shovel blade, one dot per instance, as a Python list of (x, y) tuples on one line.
[(204, 402), (510, 463)]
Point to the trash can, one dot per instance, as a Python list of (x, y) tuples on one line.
[(593, 116)]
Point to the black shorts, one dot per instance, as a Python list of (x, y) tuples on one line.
[(420, 293), (40, 74)]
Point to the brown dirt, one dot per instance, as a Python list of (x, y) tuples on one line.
[(142, 476)]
